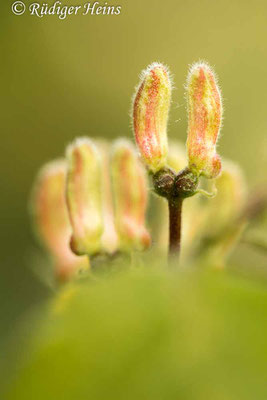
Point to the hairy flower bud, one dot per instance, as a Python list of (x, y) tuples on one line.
[(84, 196), (150, 115), (204, 120), (51, 220), (130, 193)]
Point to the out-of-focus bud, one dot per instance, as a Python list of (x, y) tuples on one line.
[(177, 156), (150, 115), (216, 239), (50, 218), (204, 120), (130, 193), (109, 238), (230, 199), (84, 198), (224, 211)]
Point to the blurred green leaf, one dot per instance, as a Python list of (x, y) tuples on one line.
[(147, 334)]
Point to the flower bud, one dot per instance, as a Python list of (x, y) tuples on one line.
[(51, 220), (150, 115), (204, 120), (84, 199), (130, 193), (109, 238)]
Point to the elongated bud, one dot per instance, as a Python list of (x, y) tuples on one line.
[(109, 238), (130, 193), (84, 196), (150, 115), (204, 120), (51, 221)]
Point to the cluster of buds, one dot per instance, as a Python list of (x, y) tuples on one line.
[(94, 201), (150, 118), (73, 204)]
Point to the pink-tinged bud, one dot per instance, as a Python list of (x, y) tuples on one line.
[(150, 115), (131, 196), (51, 220), (84, 198), (204, 120)]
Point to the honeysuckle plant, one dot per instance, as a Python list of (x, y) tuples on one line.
[(145, 333), (94, 202)]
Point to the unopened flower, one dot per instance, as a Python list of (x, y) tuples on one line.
[(50, 218), (150, 115), (204, 120), (84, 196), (109, 238), (130, 192)]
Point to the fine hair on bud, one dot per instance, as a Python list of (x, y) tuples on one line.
[(204, 120)]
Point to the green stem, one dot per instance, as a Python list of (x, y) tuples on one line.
[(175, 223)]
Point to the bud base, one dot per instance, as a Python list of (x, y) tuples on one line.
[(171, 186)]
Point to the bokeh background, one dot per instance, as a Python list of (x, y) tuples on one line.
[(62, 79)]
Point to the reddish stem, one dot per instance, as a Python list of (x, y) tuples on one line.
[(175, 222)]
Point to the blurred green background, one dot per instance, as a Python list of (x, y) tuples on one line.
[(62, 79)]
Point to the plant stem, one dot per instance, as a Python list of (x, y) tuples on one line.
[(175, 222)]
